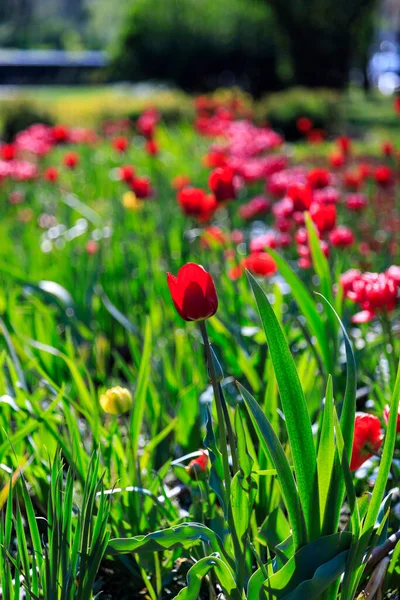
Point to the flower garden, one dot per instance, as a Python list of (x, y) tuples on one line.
[(199, 358)]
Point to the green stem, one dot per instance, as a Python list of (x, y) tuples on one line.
[(220, 412), (392, 359), (231, 435)]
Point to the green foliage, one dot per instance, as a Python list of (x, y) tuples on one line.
[(282, 109), (198, 45)]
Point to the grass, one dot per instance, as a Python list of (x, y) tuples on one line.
[(94, 503)]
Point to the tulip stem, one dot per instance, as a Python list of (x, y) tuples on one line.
[(220, 411)]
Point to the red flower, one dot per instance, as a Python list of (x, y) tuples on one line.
[(147, 122), (383, 176), (151, 147), (301, 195), (180, 181), (70, 160), (221, 182), (336, 159), (141, 186), (324, 216), (8, 151), (304, 124), (92, 247), (353, 180), (386, 413), (51, 174), (356, 202), (60, 134), (341, 237), (215, 158), (396, 105), (213, 237), (367, 439), (120, 144), (193, 293), (126, 173), (387, 148), (198, 466), (316, 136), (197, 203), (344, 143), (374, 292), (258, 206), (319, 178), (260, 263)]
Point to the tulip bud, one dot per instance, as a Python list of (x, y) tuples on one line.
[(197, 468), (116, 400)]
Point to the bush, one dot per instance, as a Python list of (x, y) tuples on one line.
[(282, 109), (199, 45), (20, 116)]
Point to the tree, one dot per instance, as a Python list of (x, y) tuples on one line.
[(322, 37)]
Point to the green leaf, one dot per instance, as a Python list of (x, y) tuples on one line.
[(185, 535), (273, 448), (326, 449), (295, 409), (305, 562), (321, 580), (223, 573), (139, 400), (307, 306)]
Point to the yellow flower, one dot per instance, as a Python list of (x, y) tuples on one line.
[(116, 400), (130, 201)]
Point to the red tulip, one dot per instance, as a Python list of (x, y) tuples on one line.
[(386, 413), (126, 173), (60, 134), (151, 147), (356, 202), (396, 105), (193, 293), (197, 203), (324, 216), (141, 186), (221, 182), (8, 151), (260, 263), (341, 237), (180, 181), (387, 148), (301, 196), (367, 439), (198, 466), (304, 124), (336, 159), (70, 160), (319, 178), (51, 174), (344, 144), (120, 144), (383, 176)]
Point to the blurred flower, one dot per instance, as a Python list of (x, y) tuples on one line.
[(71, 160), (319, 178), (316, 136), (396, 105), (197, 468), (386, 413), (8, 151), (131, 201), (387, 148), (213, 237), (60, 134), (374, 292), (344, 144), (341, 237), (258, 206), (356, 202), (260, 263), (221, 182), (301, 195), (324, 216), (120, 144), (151, 147), (116, 400), (92, 247), (180, 181), (147, 122), (195, 202), (367, 439), (16, 197), (304, 124), (383, 176), (336, 159), (51, 174), (141, 186), (193, 293), (126, 173)]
